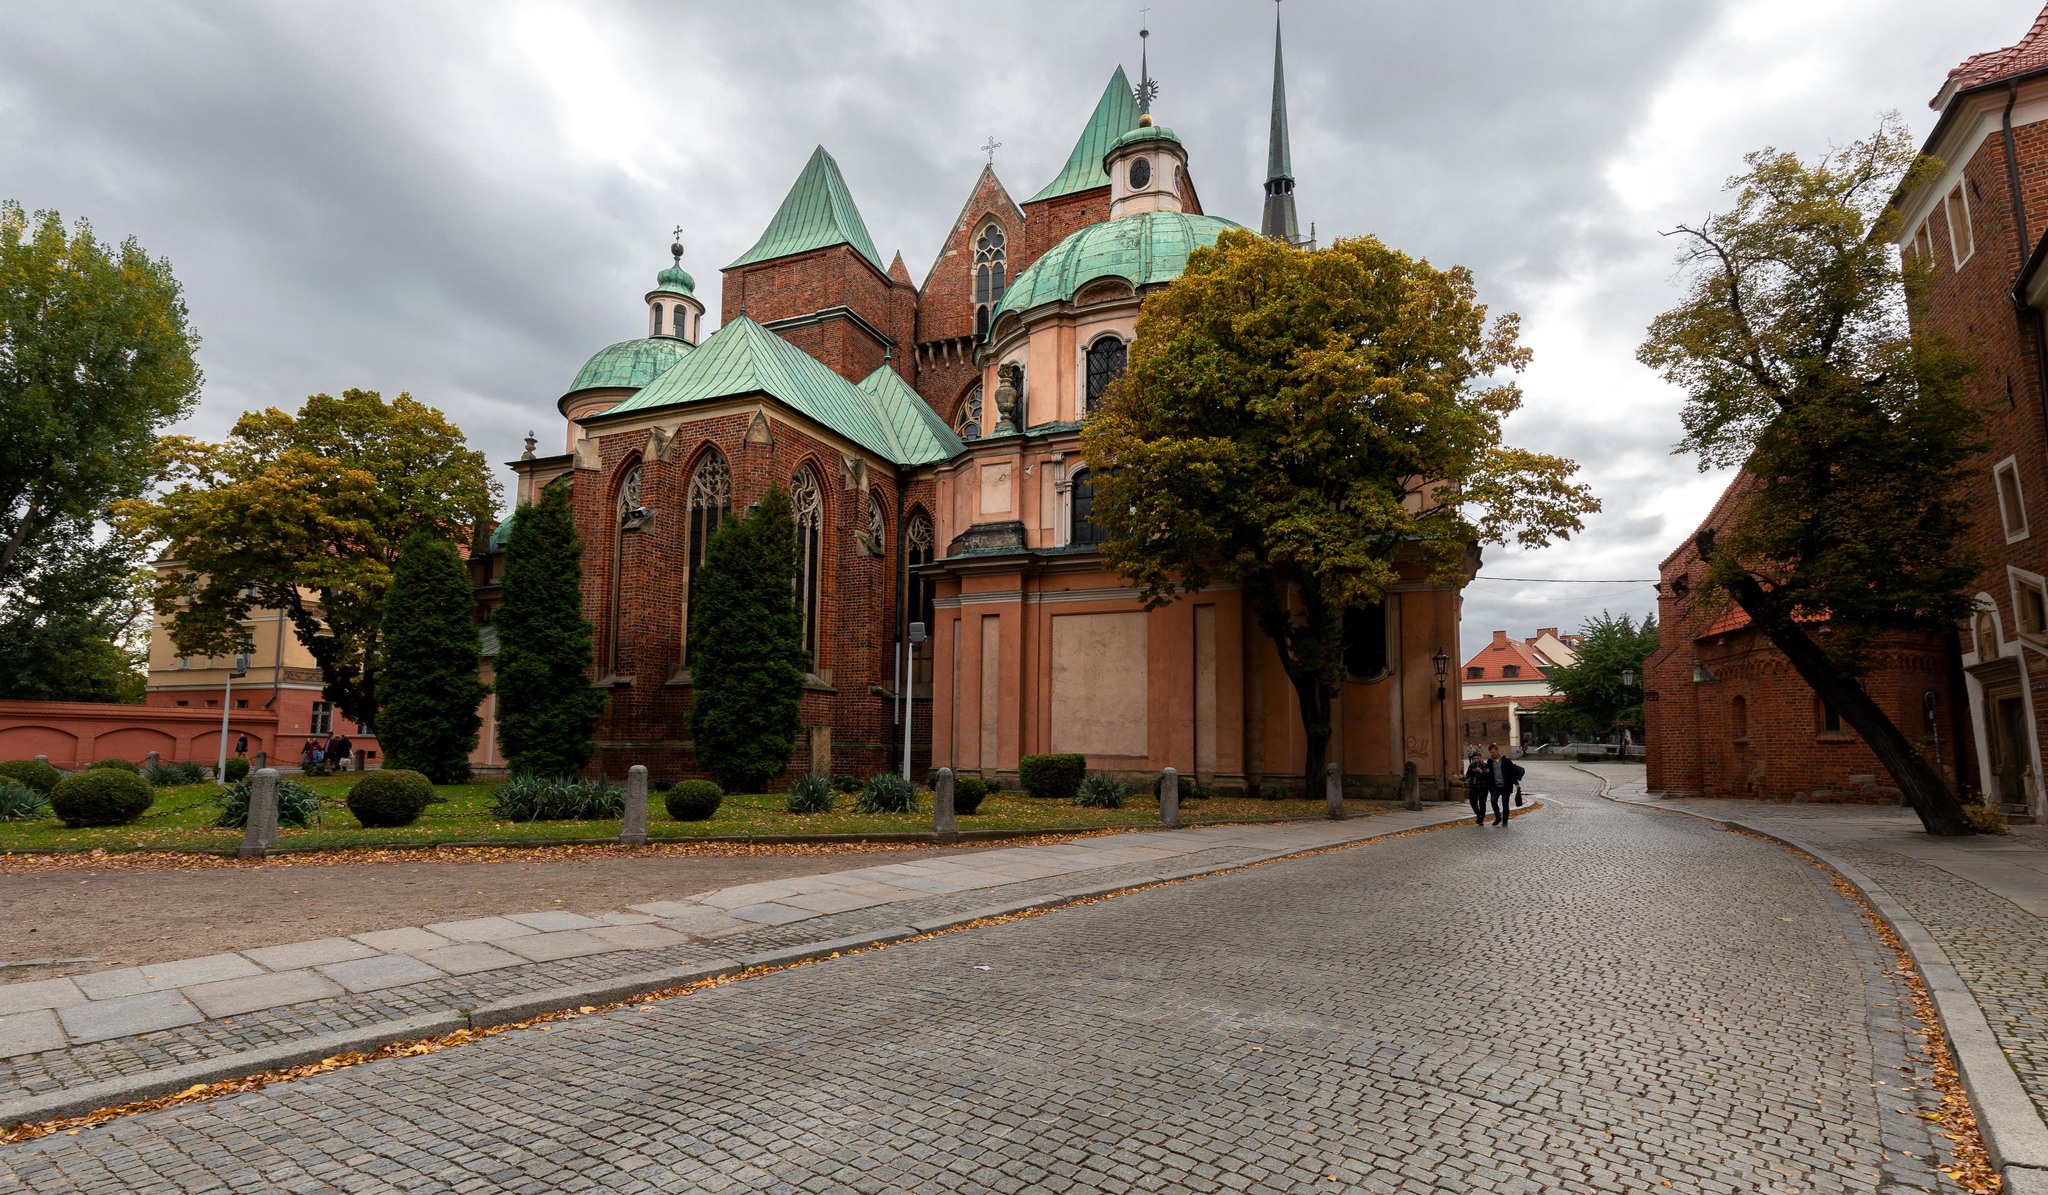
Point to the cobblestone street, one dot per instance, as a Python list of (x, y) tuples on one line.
[(1595, 998)]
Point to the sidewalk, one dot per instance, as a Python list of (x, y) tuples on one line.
[(71, 1045), (1974, 913)]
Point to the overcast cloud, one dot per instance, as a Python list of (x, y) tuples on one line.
[(465, 200)]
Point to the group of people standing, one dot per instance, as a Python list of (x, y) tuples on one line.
[(1493, 778), (335, 753)]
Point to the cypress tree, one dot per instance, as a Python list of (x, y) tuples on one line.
[(747, 656), (428, 723), (546, 707)]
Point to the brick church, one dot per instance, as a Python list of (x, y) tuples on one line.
[(928, 434)]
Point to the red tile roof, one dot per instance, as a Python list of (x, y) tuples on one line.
[(2029, 53), (1502, 651)]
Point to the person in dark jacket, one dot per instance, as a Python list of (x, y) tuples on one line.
[(1478, 783), (1505, 776)]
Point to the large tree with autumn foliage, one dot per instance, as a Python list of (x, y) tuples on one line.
[(1308, 426)]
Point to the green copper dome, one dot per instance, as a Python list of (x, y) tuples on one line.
[(502, 533), (1148, 248), (629, 364), (1150, 132), (675, 281)]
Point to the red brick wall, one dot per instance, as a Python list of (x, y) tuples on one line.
[(834, 276), (1050, 221)]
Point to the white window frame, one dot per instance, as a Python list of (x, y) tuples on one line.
[(2014, 520), (1961, 248), (1923, 242), (2022, 582), (322, 721)]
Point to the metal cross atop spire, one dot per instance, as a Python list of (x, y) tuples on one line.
[(677, 248), (991, 148), (1148, 88)]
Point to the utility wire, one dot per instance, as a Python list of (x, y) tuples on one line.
[(1574, 580)]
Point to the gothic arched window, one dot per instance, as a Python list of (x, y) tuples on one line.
[(918, 549), (967, 422), (808, 505), (1106, 359), (991, 261), (710, 503), (1085, 531), (876, 527), (627, 507), (657, 319)]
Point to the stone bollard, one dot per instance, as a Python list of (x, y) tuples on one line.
[(260, 762), (942, 807), (151, 763), (355, 760), (1333, 791), (1169, 798), (634, 831), (42, 759), (260, 834), (1411, 785)]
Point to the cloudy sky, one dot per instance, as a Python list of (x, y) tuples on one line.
[(465, 200)]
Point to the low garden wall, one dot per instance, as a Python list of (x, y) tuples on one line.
[(76, 733)]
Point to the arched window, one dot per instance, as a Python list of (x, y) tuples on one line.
[(657, 319), (1085, 529), (710, 503), (1106, 359), (876, 527), (967, 422), (1365, 642), (627, 507), (991, 260), (917, 550), (808, 505)]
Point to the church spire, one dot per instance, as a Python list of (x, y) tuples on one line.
[(1279, 222)]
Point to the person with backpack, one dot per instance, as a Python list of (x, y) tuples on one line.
[(1505, 777), (1478, 783)]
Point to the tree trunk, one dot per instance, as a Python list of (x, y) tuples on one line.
[(1315, 701), (1923, 788)]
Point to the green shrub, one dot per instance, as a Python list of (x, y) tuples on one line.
[(846, 784), (20, 803), (558, 799), (1274, 792), (968, 794), (389, 797), (316, 769), (694, 800), (1103, 791), (101, 797), (1985, 820), (887, 792), (33, 773), (1191, 789), (1054, 776), (238, 771), (125, 765), (297, 805), (812, 794), (168, 775)]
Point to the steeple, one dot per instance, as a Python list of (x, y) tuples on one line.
[(1279, 222)]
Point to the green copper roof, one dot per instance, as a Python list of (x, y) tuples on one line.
[(502, 533), (1153, 132), (629, 363), (1116, 113), (924, 436), (744, 358), (817, 212), (1144, 249), (675, 281)]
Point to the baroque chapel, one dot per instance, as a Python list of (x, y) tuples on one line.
[(928, 435)]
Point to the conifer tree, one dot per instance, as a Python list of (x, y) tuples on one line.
[(546, 707), (429, 721), (747, 656)]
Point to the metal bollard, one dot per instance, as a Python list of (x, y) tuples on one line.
[(260, 833), (942, 807), (634, 831), (1169, 798), (1333, 791)]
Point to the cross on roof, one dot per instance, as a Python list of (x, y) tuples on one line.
[(991, 148)]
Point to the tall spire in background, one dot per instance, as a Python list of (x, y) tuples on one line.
[(1279, 222)]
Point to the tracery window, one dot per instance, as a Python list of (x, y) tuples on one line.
[(808, 505), (918, 549), (991, 260), (875, 525), (1106, 358), (628, 505), (1085, 530), (710, 503), (967, 424)]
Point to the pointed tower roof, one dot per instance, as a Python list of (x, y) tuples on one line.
[(1279, 221), (898, 272), (1116, 113), (817, 212)]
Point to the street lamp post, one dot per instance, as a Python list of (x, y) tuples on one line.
[(916, 637), (1628, 681), (227, 703), (1442, 662)]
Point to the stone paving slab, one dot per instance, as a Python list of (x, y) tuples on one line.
[(201, 1013)]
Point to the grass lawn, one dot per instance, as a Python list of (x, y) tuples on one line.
[(182, 819)]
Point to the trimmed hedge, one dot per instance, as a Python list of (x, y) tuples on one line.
[(968, 794), (35, 774), (390, 797), (101, 797), (1055, 776), (125, 765), (238, 771), (693, 800)]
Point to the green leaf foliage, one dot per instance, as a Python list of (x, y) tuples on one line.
[(1314, 427), (811, 793), (20, 803), (390, 797), (531, 798), (546, 707), (101, 797), (297, 805), (747, 659), (74, 620), (887, 792), (307, 513), (430, 721), (1595, 700), (36, 774), (1054, 776), (1103, 791), (968, 794), (693, 800)]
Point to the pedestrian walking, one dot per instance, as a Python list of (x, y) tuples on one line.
[(1478, 783), (336, 752), (242, 746), (309, 754), (1505, 777)]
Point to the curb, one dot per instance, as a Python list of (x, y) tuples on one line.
[(111, 1093), (2014, 1133)]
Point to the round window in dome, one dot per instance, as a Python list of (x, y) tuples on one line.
[(1141, 174)]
